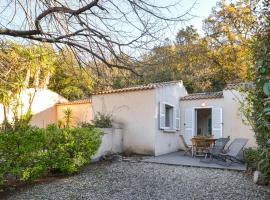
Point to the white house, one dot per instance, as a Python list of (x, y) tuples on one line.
[(153, 116), (43, 106), (149, 115)]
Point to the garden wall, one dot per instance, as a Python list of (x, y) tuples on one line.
[(112, 142)]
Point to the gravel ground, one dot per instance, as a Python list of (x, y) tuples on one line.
[(135, 180)]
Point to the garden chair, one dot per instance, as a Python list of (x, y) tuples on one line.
[(218, 147), (233, 151), (188, 148)]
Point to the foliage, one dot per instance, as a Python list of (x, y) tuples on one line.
[(87, 125), (230, 31), (103, 120), (223, 55), (258, 104), (251, 157), (30, 152), (69, 80), (68, 117), (22, 67)]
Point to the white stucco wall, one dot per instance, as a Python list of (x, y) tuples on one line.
[(43, 107), (166, 142), (233, 125), (112, 142), (134, 112), (233, 118)]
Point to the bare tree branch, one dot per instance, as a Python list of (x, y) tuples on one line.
[(111, 31)]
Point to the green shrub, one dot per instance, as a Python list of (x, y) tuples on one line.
[(103, 120), (264, 160), (251, 157), (86, 125), (29, 152)]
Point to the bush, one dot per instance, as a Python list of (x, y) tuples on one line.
[(103, 120), (251, 157), (29, 152)]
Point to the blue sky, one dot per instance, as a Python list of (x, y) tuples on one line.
[(201, 10)]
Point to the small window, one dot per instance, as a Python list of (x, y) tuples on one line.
[(169, 116)]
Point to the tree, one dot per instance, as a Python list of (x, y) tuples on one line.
[(257, 107), (185, 60), (68, 79), (194, 66), (94, 30), (23, 67), (230, 30)]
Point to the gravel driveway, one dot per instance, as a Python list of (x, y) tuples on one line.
[(136, 180)]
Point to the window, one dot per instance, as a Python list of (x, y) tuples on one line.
[(168, 116)]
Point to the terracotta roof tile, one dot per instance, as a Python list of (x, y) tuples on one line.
[(140, 87), (205, 95), (236, 86), (81, 101)]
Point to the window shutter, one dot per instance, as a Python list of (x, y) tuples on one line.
[(217, 122), (162, 114), (189, 125), (177, 119), (174, 119)]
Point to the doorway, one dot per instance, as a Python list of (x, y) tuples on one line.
[(203, 121)]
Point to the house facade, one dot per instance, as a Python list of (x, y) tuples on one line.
[(215, 113), (153, 116), (149, 115)]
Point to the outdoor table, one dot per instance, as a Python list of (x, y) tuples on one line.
[(201, 145)]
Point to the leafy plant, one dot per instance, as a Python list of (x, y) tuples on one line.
[(103, 120), (251, 157), (30, 152), (258, 104), (68, 117)]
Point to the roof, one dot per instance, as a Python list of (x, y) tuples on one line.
[(81, 101), (140, 87), (205, 95), (236, 86)]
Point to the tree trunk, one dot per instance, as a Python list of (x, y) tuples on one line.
[(5, 113), (27, 78), (46, 80), (37, 76)]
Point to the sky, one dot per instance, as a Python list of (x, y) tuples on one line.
[(201, 10)]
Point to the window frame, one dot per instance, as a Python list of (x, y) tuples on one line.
[(170, 116)]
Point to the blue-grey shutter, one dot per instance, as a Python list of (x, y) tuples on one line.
[(162, 114), (177, 118), (217, 123), (189, 125)]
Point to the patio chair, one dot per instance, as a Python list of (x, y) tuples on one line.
[(232, 152), (218, 147), (188, 148)]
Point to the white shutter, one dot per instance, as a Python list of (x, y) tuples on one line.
[(177, 118), (162, 113), (189, 125), (217, 122)]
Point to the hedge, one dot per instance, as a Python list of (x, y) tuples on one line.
[(30, 152)]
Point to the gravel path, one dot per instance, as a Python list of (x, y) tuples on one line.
[(133, 180)]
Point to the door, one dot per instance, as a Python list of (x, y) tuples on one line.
[(189, 125), (217, 122)]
